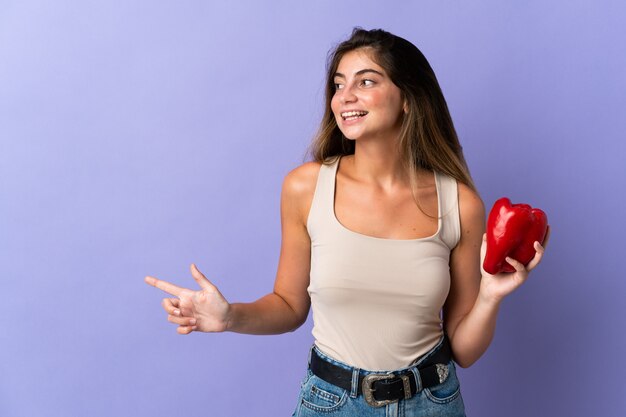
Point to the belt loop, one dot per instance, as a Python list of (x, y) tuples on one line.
[(418, 379), (355, 383)]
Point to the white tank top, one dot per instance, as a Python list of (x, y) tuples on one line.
[(376, 302)]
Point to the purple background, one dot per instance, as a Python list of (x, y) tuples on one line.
[(137, 137)]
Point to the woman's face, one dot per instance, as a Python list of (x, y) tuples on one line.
[(366, 103)]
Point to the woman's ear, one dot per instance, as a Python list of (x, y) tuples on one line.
[(405, 107)]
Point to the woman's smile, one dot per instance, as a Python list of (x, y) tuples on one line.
[(353, 116)]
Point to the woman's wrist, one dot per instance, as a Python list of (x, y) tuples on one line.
[(488, 299), (229, 318)]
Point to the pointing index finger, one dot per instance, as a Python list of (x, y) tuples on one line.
[(164, 286)]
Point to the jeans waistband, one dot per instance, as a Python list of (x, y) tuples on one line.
[(350, 376)]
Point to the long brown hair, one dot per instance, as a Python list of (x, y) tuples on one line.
[(427, 139)]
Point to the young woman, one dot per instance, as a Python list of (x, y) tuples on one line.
[(383, 234)]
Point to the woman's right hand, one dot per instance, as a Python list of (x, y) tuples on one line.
[(205, 310)]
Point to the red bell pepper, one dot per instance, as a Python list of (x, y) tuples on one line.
[(511, 231)]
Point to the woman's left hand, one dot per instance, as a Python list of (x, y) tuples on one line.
[(494, 288)]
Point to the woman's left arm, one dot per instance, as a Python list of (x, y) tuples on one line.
[(471, 309)]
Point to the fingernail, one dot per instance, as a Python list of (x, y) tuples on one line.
[(192, 321), (177, 312)]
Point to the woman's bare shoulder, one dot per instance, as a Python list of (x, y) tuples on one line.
[(299, 189), (471, 207), (301, 180)]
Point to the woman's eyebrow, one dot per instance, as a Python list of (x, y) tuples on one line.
[(363, 71)]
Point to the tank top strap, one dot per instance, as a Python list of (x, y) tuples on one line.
[(322, 209), (450, 232)]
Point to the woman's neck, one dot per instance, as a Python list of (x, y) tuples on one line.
[(378, 163)]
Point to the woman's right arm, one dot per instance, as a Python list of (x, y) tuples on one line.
[(287, 307), (283, 310)]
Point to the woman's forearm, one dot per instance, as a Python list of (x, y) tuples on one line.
[(475, 331), (270, 314)]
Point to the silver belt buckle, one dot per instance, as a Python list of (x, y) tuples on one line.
[(368, 391)]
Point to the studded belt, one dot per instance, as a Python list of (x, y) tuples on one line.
[(384, 388)]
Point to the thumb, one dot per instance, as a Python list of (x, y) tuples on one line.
[(204, 283)]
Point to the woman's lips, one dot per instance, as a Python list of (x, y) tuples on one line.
[(353, 115)]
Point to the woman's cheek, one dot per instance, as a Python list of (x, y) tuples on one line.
[(334, 106)]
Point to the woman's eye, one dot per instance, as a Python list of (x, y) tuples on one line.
[(338, 86), (368, 83)]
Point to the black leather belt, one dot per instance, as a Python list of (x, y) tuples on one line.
[(381, 389)]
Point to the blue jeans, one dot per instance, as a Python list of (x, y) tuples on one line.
[(320, 398)]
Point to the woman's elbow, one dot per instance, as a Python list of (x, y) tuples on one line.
[(464, 363)]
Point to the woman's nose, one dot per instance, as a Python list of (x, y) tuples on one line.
[(347, 95)]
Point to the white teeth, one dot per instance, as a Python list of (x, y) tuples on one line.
[(353, 114)]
